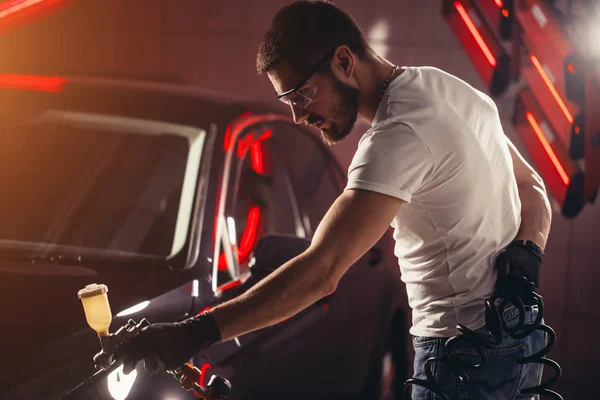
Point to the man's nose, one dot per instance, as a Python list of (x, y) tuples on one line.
[(299, 114)]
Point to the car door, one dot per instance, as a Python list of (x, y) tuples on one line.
[(257, 198)]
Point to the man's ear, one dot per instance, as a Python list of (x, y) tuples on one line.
[(343, 63)]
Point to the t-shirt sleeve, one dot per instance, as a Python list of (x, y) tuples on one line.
[(393, 161)]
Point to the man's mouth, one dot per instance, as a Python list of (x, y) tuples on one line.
[(316, 122)]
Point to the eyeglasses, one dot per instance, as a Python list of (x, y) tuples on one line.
[(301, 96)]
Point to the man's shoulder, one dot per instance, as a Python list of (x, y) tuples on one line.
[(390, 135), (422, 82)]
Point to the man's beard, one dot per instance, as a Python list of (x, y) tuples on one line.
[(345, 113)]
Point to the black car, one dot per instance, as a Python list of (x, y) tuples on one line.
[(162, 192)]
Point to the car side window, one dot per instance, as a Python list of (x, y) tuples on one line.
[(259, 199), (315, 175)]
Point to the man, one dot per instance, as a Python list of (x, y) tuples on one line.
[(435, 165)]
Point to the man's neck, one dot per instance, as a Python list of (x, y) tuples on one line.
[(371, 78)]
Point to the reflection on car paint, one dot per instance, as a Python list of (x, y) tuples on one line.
[(134, 309), (119, 384)]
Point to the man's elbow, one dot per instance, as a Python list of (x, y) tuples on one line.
[(328, 286), (532, 182), (335, 271), (534, 198), (328, 274), (531, 178), (529, 188)]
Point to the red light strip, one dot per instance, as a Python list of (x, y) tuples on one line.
[(548, 148), (230, 285), (21, 12), (222, 266), (258, 119), (258, 167), (229, 129), (499, 3), (205, 309), (249, 235), (239, 124), (257, 158), (548, 82), (247, 241), (486, 51), (265, 135), (203, 369), (13, 6), (31, 82), (243, 145)]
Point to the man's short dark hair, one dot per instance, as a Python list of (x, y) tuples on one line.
[(305, 31)]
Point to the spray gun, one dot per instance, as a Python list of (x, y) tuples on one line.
[(99, 317)]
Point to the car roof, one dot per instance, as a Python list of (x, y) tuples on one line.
[(168, 101), (224, 99)]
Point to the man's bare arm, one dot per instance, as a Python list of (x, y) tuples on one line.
[(536, 213), (353, 224)]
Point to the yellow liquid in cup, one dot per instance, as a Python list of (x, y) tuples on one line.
[(96, 308)]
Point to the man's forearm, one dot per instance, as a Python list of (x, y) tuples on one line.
[(536, 214), (291, 288)]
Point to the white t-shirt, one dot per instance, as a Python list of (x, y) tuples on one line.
[(437, 143)]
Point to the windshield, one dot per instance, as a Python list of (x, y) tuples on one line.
[(98, 182)]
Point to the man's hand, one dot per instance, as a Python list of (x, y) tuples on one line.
[(167, 346), (519, 261), (519, 270)]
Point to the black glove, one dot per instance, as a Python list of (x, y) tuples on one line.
[(519, 260), (167, 346)]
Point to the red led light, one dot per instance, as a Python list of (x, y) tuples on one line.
[(233, 129), (548, 148), (266, 135), (31, 82), (243, 145), (249, 235), (205, 309), (257, 158), (22, 12), (13, 6), (499, 3), (230, 285), (505, 13), (229, 129), (548, 82), (247, 241), (222, 265), (471, 26), (203, 369)]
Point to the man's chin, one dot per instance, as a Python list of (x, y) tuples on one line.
[(334, 136), (328, 138), (331, 139)]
